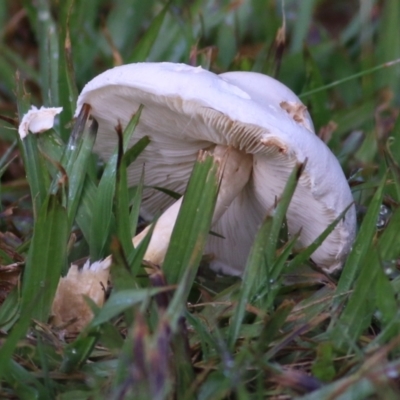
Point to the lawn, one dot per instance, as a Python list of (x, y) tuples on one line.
[(286, 329)]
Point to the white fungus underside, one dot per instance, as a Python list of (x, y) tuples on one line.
[(169, 158), (250, 118)]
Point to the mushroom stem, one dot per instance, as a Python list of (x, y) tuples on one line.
[(236, 171)]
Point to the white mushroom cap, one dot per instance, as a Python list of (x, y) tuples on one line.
[(187, 109)]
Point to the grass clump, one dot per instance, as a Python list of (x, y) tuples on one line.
[(285, 330)]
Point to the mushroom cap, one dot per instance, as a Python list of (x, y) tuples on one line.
[(187, 109)]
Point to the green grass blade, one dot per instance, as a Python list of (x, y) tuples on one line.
[(279, 213), (10, 309), (77, 352), (121, 301), (362, 243), (135, 208), (143, 48), (26, 386), (357, 315), (305, 255), (303, 19), (122, 277), (262, 257), (368, 71), (388, 45), (46, 33), (122, 208), (86, 206), (33, 162), (255, 262), (318, 102), (21, 64), (47, 256), (77, 171), (68, 91), (135, 258), (388, 241), (125, 22), (17, 333), (103, 205), (133, 152), (273, 325), (102, 210), (194, 221)]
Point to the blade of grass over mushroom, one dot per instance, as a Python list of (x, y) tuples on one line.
[(33, 162), (144, 46), (256, 265), (269, 287), (362, 243), (106, 191), (102, 206), (305, 254), (122, 202), (194, 220), (47, 256), (78, 170), (135, 207), (75, 140), (259, 267), (129, 157), (279, 212), (84, 213), (75, 159), (168, 192), (122, 277), (128, 133), (135, 258), (133, 152)]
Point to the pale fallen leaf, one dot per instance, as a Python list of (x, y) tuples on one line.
[(69, 303)]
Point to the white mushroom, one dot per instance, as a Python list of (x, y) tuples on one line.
[(38, 120), (187, 109)]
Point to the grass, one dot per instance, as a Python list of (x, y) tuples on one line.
[(285, 331)]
